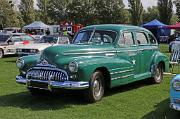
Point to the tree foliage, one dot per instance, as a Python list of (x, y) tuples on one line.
[(109, 11), (43, 6), (26, 8), (96, 11), (151, 14), (177, 3), (8, 16), (136, 10), (57, 10), (165, 8)]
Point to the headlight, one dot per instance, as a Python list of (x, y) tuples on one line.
[(176, 85), (73, 66), (33, 50), (20, 63)]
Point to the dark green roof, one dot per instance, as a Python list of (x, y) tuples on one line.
[(116, 27)]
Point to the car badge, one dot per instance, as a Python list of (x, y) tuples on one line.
[(44, 62)]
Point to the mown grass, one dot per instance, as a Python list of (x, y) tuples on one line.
[(139, 100)]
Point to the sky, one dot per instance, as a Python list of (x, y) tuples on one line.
[(146, 3)]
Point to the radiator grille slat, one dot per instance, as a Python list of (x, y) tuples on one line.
[(43, 74)]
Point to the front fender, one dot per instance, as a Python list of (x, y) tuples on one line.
[(29, 61), (160, 57), (88, 66)]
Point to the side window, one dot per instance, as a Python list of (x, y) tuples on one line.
[(15, 39), (141, 38), (27, 38), (127, 39), (152, 39)]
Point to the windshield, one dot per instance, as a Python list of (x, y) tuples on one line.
[(48, 39), (3, 38), (95, 36)]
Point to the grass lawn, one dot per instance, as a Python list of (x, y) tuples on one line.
[(139, 100)]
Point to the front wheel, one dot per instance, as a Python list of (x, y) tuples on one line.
[(1, 53), (96, 89), (158, 74)]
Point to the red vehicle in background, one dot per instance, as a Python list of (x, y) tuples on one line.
[(70, 28)]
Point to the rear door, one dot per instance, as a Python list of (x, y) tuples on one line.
[(127, 50), (145, 51)]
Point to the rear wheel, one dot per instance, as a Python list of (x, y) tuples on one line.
[(96, 89), (1, 53), (158, 74)]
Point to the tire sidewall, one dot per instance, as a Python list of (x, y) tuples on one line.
[(159, 69), (1, 53), (90, 96)]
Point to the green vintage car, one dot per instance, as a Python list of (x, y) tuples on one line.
[(101, 57)]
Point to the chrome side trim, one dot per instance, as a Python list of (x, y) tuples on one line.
[(122, 71), (127, 51), (54, 84), (124, 68), (87, 53), (126, 76)]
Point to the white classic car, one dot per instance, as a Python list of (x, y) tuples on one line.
[(9, 43), (39, 46)]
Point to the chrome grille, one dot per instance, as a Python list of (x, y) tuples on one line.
[(26, 50), (47, 74)]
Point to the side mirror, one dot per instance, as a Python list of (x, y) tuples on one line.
[(10, 42)]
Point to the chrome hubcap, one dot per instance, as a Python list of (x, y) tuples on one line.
[(97, 88), (1, 53), (158, 74)]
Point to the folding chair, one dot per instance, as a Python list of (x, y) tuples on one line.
[(175, 57)]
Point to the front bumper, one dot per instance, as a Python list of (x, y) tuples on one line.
[(54, 84), (175, 106)]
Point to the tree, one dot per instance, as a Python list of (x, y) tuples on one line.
[(177, 3), (136, 10), (57, 10), (109, 11), (8, 15), (151, 14), (26, 8), (165, 8), (43, 10), (81, 11)]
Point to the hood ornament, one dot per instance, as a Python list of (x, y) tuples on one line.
[(44, 62)]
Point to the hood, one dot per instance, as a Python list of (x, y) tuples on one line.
[(39, 46), (69, 52)]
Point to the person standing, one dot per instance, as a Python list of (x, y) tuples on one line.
[(47, 31)]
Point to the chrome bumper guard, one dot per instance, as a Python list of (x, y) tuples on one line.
[(175, 106), (54, 84)]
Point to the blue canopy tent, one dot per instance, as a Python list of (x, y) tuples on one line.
[(160, 30)]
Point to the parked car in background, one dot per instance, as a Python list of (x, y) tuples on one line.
[(175, 93), (101, 57), (4, 37), (10, 30), (177, 41), (40, 45), (9, 43)]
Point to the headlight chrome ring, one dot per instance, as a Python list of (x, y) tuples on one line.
[(20, 63), (176, 85), (73, 66)]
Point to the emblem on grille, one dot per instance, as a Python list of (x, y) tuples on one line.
[(44, 62)]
